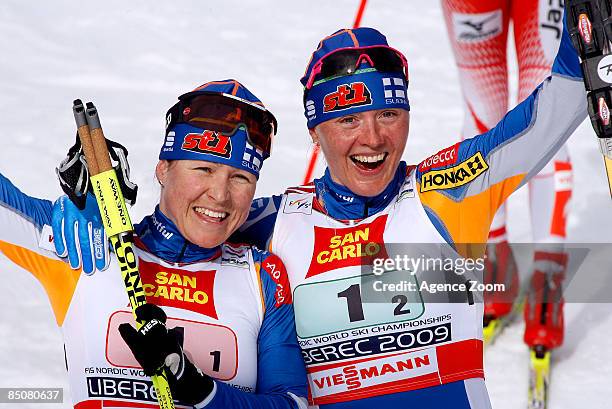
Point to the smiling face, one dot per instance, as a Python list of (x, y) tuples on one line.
[(363, 150), (206, 201)]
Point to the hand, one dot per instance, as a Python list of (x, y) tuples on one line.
[(153, 342), (73, 173), (77, 226), (155, 347), (80, 235)]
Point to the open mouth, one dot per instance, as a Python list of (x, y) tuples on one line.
[(214, 215), (369, 162)]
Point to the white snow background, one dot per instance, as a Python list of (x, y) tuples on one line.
[(134, 58)]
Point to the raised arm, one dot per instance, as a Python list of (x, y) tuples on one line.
[(22, 218), (462, 186)]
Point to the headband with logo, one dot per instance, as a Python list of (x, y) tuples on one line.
[(366, 89), (187, 142), (362, 91)]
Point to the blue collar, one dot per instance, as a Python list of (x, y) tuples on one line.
[(163, 239), (342, 204)]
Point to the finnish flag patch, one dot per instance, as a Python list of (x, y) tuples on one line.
[(394, 88), (252, 157), (310, 109)]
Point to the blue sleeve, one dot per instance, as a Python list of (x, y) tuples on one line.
[(281, 376), (461, 187), (567, 62), (258, 228), (527, 137), (37, 211)]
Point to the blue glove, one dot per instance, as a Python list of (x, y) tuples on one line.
[(79, 234)]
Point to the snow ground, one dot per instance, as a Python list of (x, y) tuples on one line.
[(134, 58)]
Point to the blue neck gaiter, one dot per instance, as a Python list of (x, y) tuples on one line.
[(163, 239), (340, 203)]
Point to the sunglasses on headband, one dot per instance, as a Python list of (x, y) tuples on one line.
[(346, 61), (225, 113)]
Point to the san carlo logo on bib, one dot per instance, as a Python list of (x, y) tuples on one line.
[(189, 290), (352, 246)]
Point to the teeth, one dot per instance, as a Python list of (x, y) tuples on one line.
[(369, 159), (211, 213)]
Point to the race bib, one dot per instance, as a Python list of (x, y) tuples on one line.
[(353, 302), (212, 348)]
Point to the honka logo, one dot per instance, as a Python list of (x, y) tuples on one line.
[(353, 246), (347, 96), (188, 290), (210, 142), (456, 176)]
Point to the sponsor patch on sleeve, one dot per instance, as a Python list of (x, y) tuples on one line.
[(445, 157), (456, 176), (277, 271)]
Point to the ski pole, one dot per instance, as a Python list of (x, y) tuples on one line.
[(116, 219), (590, 28)]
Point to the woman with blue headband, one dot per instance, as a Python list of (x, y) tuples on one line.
[(227, 306)]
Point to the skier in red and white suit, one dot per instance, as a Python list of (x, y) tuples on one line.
[(478, 31)]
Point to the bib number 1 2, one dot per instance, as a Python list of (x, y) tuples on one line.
[(355, 305)]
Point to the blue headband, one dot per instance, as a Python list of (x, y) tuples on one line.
[(365, 90), (186, 142)]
